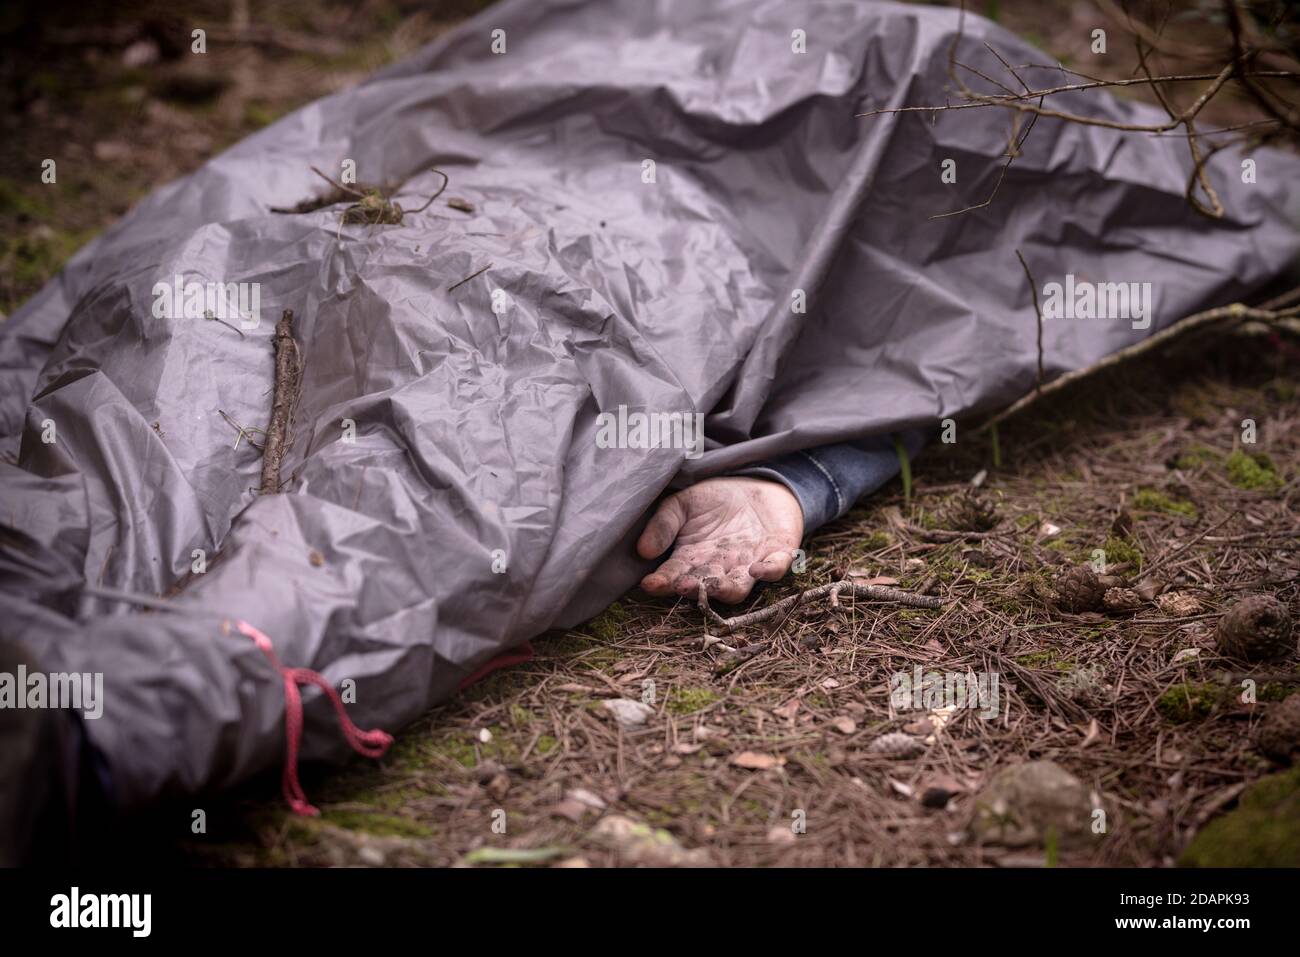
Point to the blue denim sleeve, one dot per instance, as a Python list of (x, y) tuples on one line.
[(829, 479)]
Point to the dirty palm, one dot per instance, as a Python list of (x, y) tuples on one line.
[(665, 214)]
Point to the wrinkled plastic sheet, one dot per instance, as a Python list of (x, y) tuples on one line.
[(475, 428)]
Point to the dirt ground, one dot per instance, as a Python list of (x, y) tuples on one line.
[(530, 767)]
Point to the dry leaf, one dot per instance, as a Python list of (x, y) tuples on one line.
[(788, 709), (756, 761)]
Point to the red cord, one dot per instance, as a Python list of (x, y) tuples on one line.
[(372, 744)]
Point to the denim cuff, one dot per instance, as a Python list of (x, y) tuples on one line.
[(818, 495), (829, 479)]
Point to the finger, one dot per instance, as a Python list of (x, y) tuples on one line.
[(711, 575), (662, 528), (773, 566), (735, 587), (660, 581)]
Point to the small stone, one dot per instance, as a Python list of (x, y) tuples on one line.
[(370, 856), (1279, 732), (936, 797), (140, 53), (781, 834), (628, 713), (570, 810), (638, 843), (1257, 628), (1024, 803)]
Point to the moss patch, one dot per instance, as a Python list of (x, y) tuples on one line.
[(1191, 701), (1045, 660), (382, 825), (1195, 456), (1262, 831), (689, 700), (1150, 500), (1253, 471), (608, 625), (1121, 551)]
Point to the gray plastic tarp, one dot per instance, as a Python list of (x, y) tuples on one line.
[(474, 418)]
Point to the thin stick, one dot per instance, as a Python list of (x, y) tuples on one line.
[(338, 186), (469, 277), (1038, 317), (1235, 313), (445, 180), (244, 430), (835, 589)]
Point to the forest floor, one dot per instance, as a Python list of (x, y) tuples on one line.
[(770, 753)]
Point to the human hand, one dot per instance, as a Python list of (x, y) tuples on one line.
[(730, 532)]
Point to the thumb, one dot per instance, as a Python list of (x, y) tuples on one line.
[(662, 528)]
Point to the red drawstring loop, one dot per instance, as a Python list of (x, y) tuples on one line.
[(372, 744)]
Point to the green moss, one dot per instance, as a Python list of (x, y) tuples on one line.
[(1262, 831), (1121, 551), (689, 700), (1274, 691), (1195, 405), (1190, 701), (258, 114), (877, 540), (30, 259), (1253, 470), (1046, 659), (580, 648), (382, 825), (1062, 545), (1282, 390), (457, 747), (608, 625), (1150, 500), (1195, 456), (545, 745)]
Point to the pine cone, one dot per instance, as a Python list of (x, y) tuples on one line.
[(1078, 589), (1255, 629), (972, 513), (1122, 600), (896, 745), (1279, 732)]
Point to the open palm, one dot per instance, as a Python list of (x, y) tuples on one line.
[(729, 533)]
